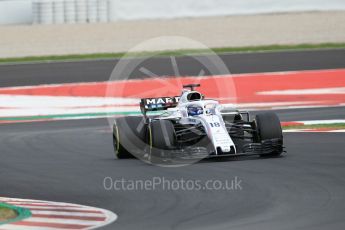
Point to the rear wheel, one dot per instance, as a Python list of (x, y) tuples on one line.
[(128, 136), (163, 139), (269, 128)]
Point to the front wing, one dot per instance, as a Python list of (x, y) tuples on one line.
[(266, 147)]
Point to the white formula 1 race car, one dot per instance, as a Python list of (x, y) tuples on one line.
[(192, 127)]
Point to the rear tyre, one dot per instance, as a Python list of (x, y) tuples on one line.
[(163, 139), (129, 135), (268, 127)]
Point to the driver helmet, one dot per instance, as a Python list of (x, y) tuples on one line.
[(194, 110)]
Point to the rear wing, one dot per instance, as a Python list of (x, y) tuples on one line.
[(156, 104)]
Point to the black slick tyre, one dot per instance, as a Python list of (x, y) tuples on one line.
[(129, 135), (269, 128)]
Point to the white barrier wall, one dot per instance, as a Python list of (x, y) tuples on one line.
[(82, 11), (150, 9), (16, 12)]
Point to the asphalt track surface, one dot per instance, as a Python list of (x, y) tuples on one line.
[(92, 71), (67, 161)]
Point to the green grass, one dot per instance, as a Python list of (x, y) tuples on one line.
[(7, 214), (330, 126), (96, 56)]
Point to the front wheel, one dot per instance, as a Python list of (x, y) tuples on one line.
[(269, 132), (163, 139), (129, 135)]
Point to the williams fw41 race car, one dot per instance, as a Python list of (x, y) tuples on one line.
[(191, 127)]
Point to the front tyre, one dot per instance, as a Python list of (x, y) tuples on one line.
[(129, 135), (119, 150), (163, 139), (269, 131)]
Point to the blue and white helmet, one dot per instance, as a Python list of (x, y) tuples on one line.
[(195, 110)]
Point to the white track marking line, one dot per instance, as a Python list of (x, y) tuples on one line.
[(338, 131), (316, 122), (313, 131), (291, 131), (318, 91), (316, 130)]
